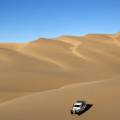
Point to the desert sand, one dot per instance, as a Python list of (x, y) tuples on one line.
[(41, 79)]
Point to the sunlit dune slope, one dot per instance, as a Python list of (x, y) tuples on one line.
[(56, 104)]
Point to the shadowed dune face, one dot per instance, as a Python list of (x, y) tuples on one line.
[(41, 79)]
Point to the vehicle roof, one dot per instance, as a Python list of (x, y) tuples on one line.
[(78, 103)]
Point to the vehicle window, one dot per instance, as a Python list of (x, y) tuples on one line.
[(76, 105)]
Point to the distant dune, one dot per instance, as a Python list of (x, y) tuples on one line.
[(41, 79)]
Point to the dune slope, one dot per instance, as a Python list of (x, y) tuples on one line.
[(56, 104), (41, 79)]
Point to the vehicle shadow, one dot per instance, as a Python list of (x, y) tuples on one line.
[(88, 106)]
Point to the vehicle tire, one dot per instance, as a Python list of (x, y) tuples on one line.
[(79, 113), (71, 112)]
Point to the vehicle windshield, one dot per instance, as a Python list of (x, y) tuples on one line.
[(76, 105)]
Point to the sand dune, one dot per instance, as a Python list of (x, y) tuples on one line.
[(43, 58), (42, 78), (75, 42), (55, 104)]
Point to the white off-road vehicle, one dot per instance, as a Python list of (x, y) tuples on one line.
[(78, 107)]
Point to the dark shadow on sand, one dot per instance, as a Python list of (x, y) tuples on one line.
[(86, 109)]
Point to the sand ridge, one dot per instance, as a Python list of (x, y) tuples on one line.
[(76, 43)]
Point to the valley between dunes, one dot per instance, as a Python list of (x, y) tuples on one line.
[(41, 79)]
